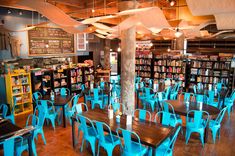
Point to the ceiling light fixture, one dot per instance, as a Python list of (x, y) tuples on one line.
[(172, 3), (178, 33)]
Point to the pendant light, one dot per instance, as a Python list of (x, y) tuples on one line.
[(178, 33)]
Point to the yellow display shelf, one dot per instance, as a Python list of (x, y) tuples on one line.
[(19, 85)]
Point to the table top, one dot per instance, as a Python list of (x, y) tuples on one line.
[(7, 129), (60, 100), (150, 133), (181, 109)]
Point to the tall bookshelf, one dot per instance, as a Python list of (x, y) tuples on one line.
[(169, 67), (143, 66), (88, 75), (18, 85), (41, 81), (61, 79), (210, 70), (76, 79)]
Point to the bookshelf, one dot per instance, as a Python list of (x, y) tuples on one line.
[(41, 81), (61, 79), (143, 66), (88, 75), (210, 70), (76, 79), (173, 67), (19, 85)]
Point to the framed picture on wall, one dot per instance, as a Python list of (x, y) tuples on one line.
[(81, 42)]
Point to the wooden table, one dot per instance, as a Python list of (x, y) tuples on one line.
[(150, 133), (181, 109), (7, 129), (60, 101)]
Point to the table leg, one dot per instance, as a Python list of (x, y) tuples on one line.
[(137, 98), (64, 120), (153, 151), (30, 144), (73, 133)]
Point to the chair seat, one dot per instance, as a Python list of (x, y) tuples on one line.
[(135, 150), (108, 140), (191, 125)]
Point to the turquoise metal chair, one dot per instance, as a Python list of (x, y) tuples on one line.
[(175, 91), (115, 103), (64, 91), (130, 147), (106, 140), (211, 99), (69, 111), (89, 132), (36, 96), (197, 124), (145, 96), (87, 97), (220, 86), (79, 108), (9, 145), (187, 96), (50, 113), (96, 99), (167, 147), (4, 109), (215, 125), (11, 116), (41, 114), (32, 120), (150, 83), (142, 114), (165, 118), (167, 92), (160, 99), (170, 109), (229, 101), (201, 98)]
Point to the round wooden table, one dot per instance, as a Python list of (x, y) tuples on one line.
[(180, 108)]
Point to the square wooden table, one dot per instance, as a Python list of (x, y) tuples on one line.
[(60, 101), (151, 134)]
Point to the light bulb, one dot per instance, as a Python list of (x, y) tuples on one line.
[(92, 10), (20, 13), (151, 44), (119, 49), (178, 33), (172, 3), (168, 49), (9, 11)]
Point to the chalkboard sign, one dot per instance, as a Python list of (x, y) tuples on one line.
[(50, 41)]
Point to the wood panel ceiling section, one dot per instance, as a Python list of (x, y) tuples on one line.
[(82, 9)]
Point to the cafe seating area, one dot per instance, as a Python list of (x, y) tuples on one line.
[(117, 78), (189, 120)]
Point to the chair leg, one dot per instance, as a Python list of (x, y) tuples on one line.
[(214, 131), (92, 144), (109, 151), (202, 139), (43, 137), (187, 135), (82, 145), (98, 151)]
